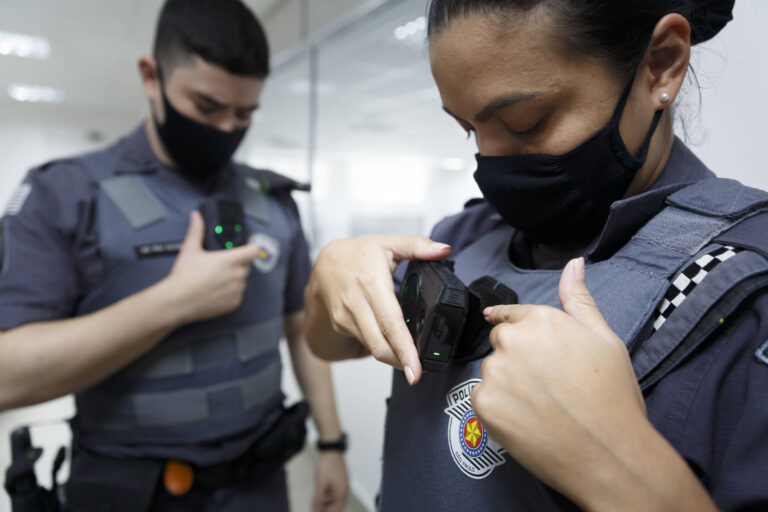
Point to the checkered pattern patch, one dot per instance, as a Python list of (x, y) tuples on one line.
[(688, 279)]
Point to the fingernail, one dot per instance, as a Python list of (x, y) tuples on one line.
[(439, 247), (409, 376), (487, 311), (578, 269)]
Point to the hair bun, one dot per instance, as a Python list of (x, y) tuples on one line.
[(708, 18)]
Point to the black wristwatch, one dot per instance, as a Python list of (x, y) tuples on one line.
[(333, 446)]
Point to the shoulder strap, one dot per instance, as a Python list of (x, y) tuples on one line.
[(727, 214), (138, 204), (750, 234), (259, 184), (699, 213)]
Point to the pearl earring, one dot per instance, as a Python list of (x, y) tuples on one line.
[(664, 97)]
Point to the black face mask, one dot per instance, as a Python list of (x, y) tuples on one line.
[(564, 198), (198, 150)]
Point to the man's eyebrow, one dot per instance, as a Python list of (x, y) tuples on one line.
[(217, 104), (497, 105), (209, 99)]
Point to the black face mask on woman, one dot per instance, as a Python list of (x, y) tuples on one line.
[(564, 198), (199, 150)]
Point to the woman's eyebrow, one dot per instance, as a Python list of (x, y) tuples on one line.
[(495, 106)]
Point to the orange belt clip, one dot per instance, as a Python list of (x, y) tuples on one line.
[(178, 477)]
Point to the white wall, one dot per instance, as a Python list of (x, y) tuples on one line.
[(733, 68)]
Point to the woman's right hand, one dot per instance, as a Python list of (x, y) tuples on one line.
[(351, 293)]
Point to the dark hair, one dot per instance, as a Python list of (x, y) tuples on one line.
[(222, 32), (618, 31)]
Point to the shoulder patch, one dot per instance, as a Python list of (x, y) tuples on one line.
[(762, 353), (269, 252), (687, 280), (474, 453), (17, 200)]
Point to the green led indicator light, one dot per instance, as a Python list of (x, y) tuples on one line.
[(238, 228), (721, 321), (436, 354), (407, 320), (219, 230), (229, 245)]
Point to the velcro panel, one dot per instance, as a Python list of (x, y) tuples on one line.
[(261, 387), (258, 339), (720, 197), (135, 201), (171, 408), (255, 201)]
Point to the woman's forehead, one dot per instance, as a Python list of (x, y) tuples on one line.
[(474, 55)]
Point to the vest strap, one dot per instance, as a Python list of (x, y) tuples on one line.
[(183, 354), (193, 405), (117, 412), (698, 213), (706, 326), (708, 306)]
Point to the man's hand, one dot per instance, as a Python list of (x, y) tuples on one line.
[(208, 283), (560, 394), (351, 293), (331, 483)]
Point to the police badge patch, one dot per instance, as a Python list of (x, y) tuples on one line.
[(473, 451), (269, 253)]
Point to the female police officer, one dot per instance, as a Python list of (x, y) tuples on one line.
[(585, 184)]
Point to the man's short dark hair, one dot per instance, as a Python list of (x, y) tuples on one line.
[(222, 32)]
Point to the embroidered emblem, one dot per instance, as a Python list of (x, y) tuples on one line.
[(473, 451), (269, 254)]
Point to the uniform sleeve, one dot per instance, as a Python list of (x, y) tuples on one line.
[(299, 266), (39, 276), (726, 434)]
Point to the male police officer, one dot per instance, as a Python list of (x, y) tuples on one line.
[(171, 350)]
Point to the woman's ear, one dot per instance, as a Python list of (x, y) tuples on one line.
[(667, 59)]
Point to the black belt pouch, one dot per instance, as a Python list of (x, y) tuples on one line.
[(111, 484)]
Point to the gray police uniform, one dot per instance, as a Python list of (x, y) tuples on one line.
[(679, 275), (83, 233)]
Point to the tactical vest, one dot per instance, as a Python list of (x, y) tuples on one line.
[(205, 380), (439, 457)]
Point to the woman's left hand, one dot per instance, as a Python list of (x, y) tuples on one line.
[(559, 393)]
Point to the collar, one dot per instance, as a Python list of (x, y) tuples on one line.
[(135, 155), (629, 215)]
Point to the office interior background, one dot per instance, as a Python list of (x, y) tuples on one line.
[(350, 107)]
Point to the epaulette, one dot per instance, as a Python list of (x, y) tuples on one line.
[(270, 181), (472, 202)]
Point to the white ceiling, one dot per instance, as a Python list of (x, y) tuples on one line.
[(94, 48)]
